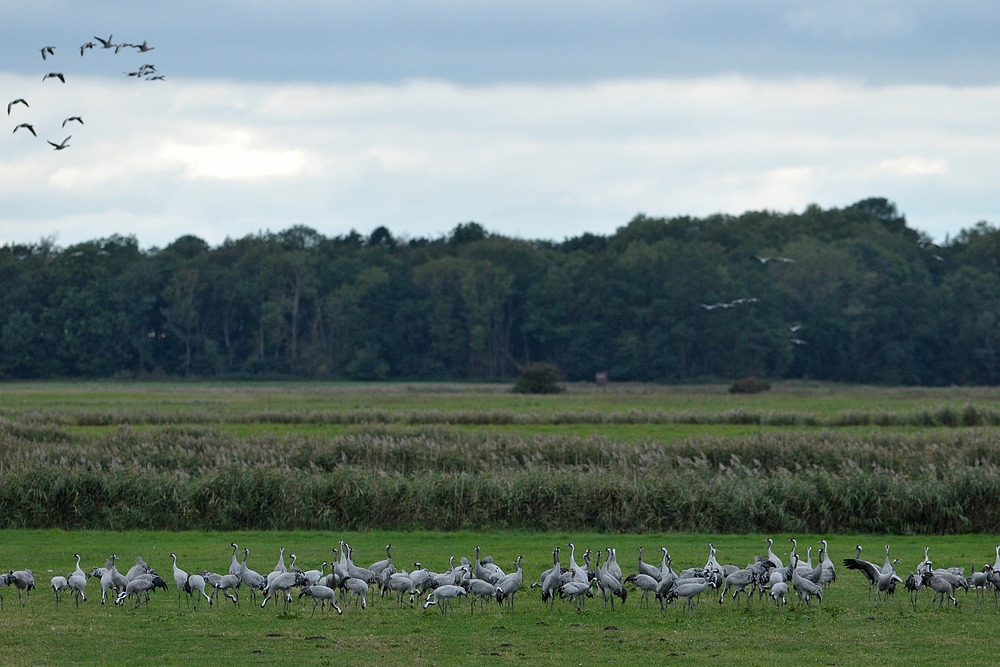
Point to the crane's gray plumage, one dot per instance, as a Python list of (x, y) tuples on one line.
[(321, 595), (442, 597)]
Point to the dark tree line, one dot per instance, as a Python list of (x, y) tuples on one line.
[(875, 301)]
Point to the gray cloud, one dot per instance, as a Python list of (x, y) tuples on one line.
[(228, 159), (877, 41)]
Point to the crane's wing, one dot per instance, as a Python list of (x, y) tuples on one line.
[(870, 570)]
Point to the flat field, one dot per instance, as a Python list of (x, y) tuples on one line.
[(220, 401), (847, 629), (146, 469)]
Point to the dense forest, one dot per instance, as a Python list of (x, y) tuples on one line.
[(850, 294)]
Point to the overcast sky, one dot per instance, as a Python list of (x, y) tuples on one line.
[(538, 119)]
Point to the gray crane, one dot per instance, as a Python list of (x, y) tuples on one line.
[(507, 587), (227, 583), (753, 574), (941, 586), (479, 590), (829, 571), (180, 580), (59, 585), (250, 578), (552, 580), (689, 589), (359, 587), (771, 556), (442, 597), (778, 593), (647, 569), (608, 585), (321, 595), (140, 567), (196, 583), (19, 100), (313, 576), (22, 580), (577, 592), (234, 567), (487, 570), (611, 564), (355, 572), (886, 584), (282, 583), (77, 581), (138, 587), (280, 565), (871, 571), (5, 580), (645, 583), (401, 584), (386, 563), (806, 588)]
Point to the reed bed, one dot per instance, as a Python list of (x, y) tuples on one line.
[(928, 416), (432, 477)]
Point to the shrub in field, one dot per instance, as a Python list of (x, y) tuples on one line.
[(538, 378), (748, 385)]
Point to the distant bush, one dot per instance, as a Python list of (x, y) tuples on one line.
[(748, 385), (538, 378)]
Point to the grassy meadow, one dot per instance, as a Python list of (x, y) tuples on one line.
[(846, 629), (146, 469)]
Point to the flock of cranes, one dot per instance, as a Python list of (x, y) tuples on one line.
[(725, 305), (146, 72), (482, 581)]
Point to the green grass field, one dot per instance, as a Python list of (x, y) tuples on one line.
[(73, 435), (846, 629), (222, 399)]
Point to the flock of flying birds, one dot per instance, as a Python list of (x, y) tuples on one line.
[(146, 72), (739, 302)]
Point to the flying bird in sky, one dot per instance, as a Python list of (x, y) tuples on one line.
[(63, 145), (84, 47), (142, 47), (50, 50), (17, 101), (55, 75), (106, 43), (26, 126), (72, 118)]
